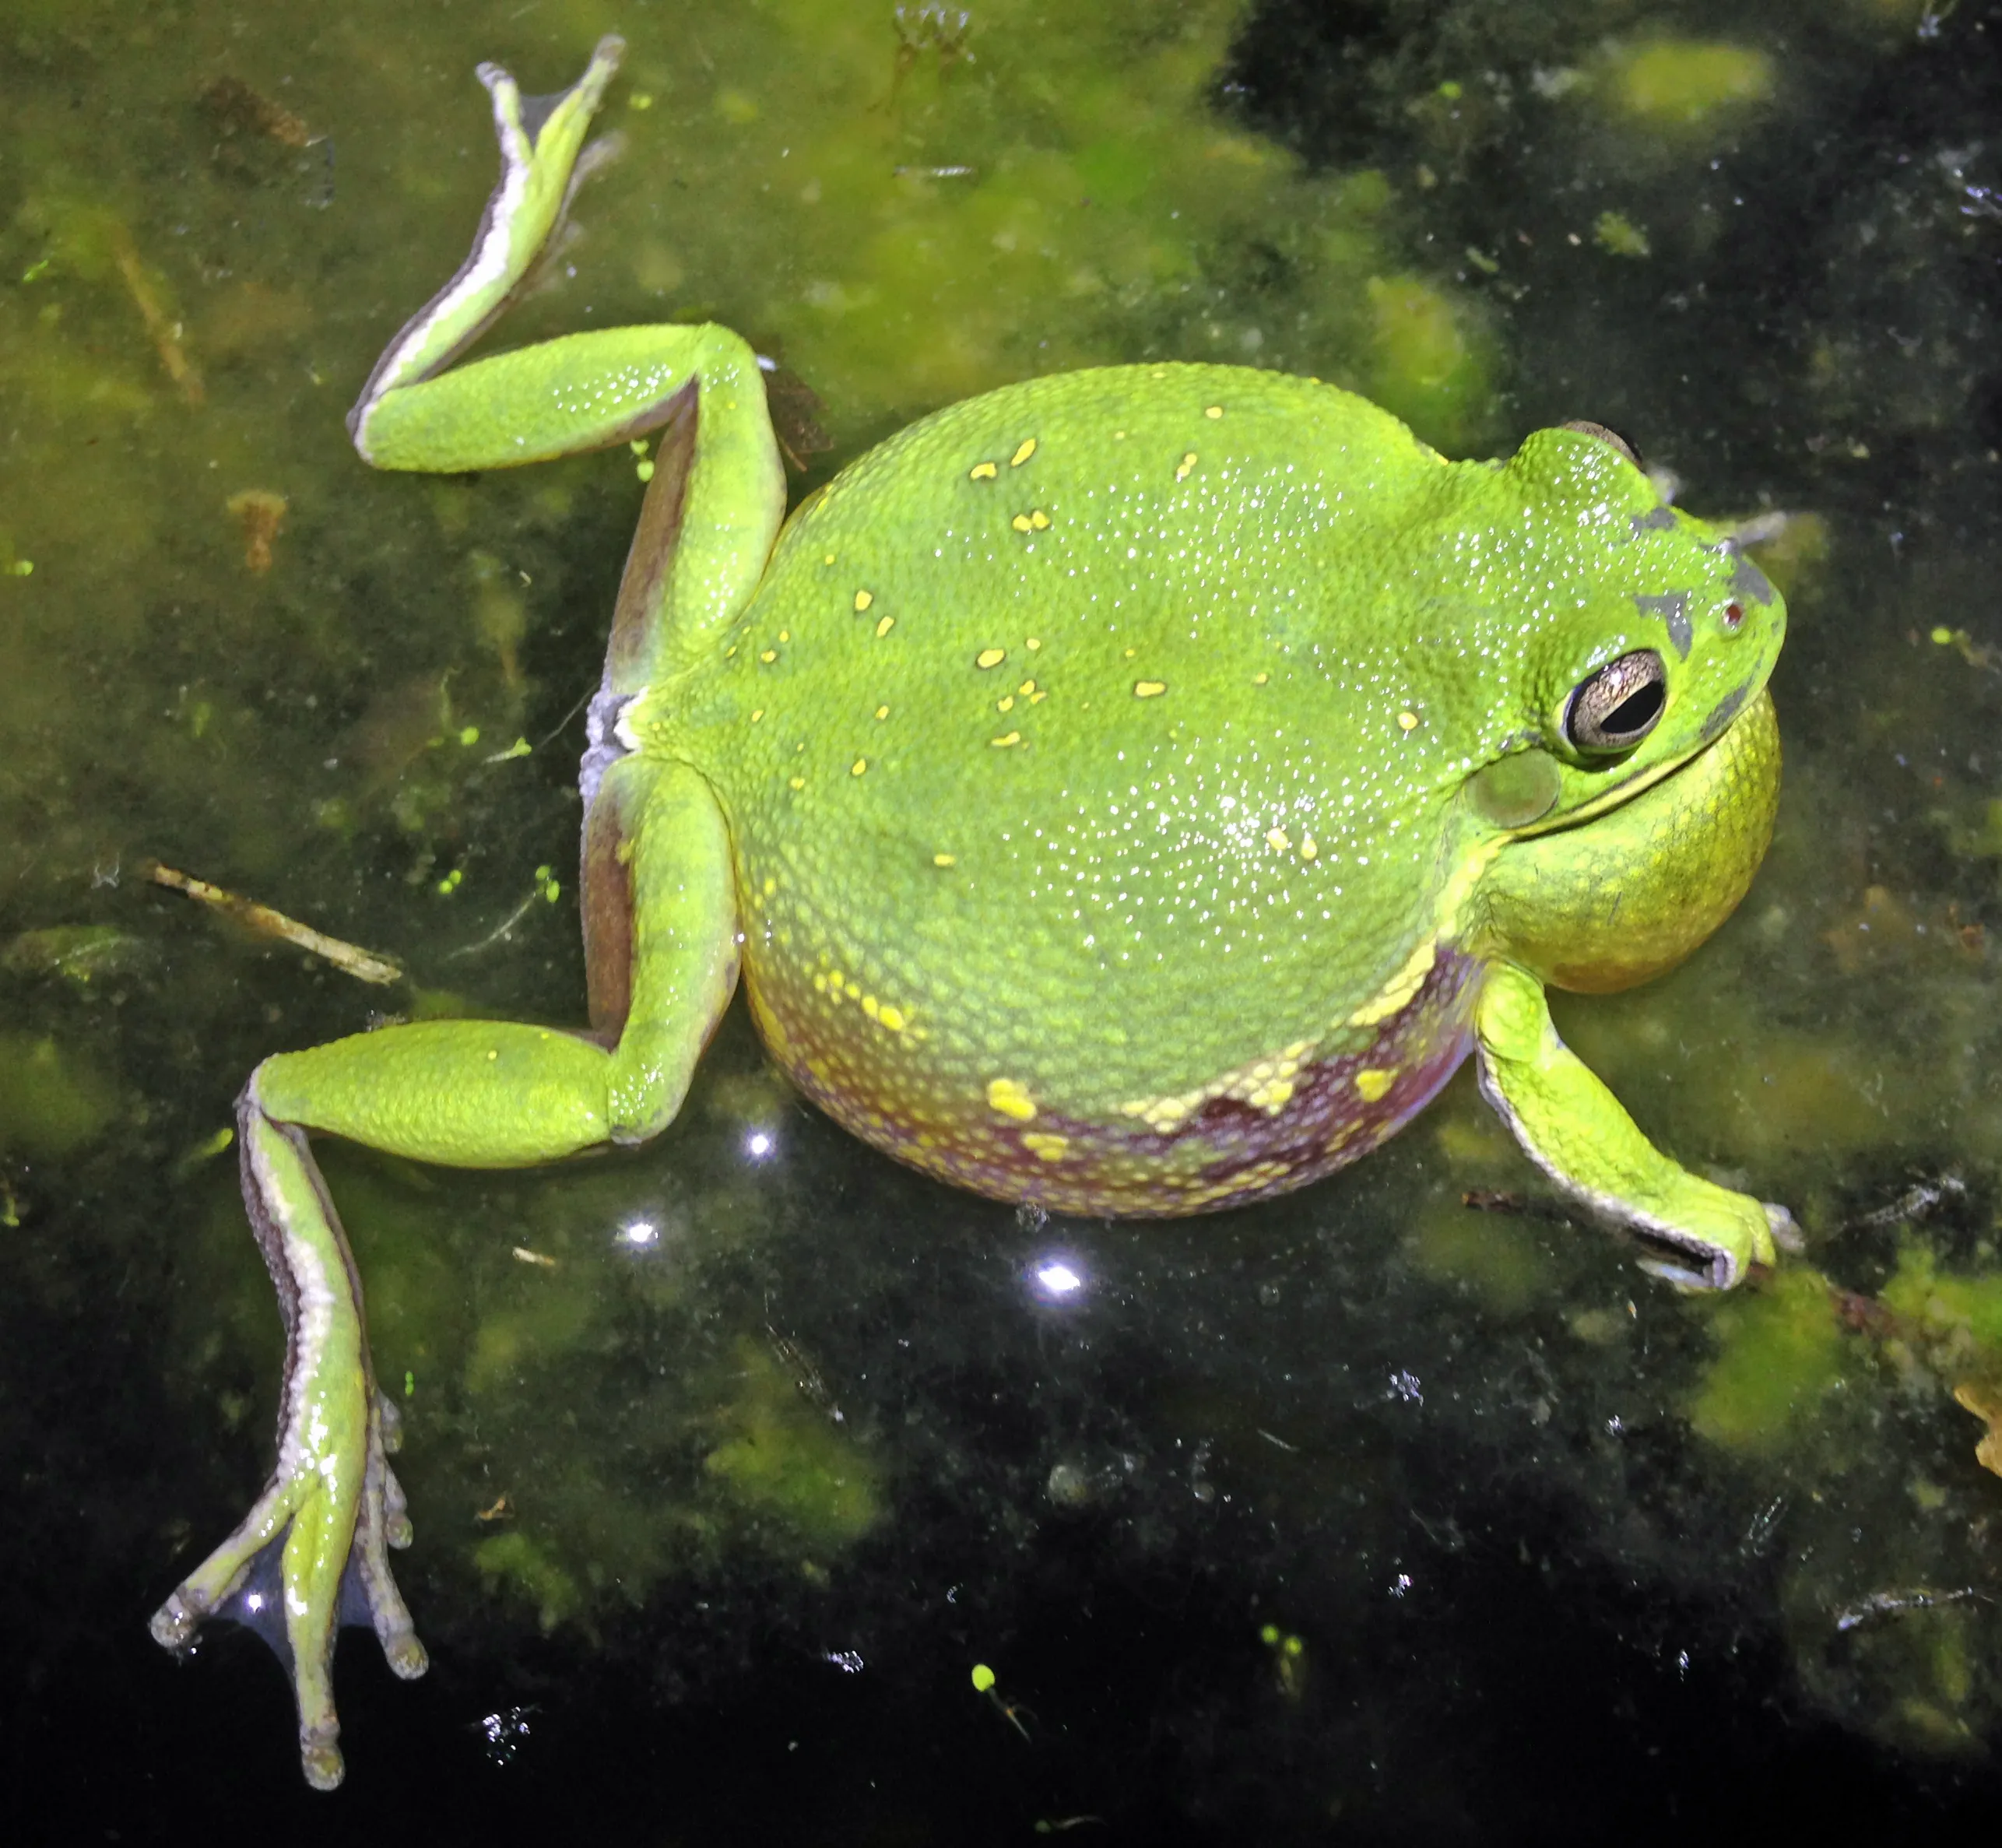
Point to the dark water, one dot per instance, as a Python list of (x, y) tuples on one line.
[(1359, 1517)]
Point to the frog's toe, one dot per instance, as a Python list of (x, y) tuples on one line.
[(320, 1757), (173, 1624)]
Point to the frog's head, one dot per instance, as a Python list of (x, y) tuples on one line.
[(1655, 635), (1645, 760)]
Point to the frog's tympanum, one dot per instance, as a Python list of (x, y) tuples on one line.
[(1132, 790)]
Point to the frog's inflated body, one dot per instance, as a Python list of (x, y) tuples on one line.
[(1095, 757), (1132, 791)]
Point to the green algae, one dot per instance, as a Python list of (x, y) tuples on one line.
[(1680, 87), (1779, 1354), (55, 1099), (784, 1460)]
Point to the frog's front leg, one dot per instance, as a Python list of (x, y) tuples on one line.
[(472, 1094), (1575, 1129)]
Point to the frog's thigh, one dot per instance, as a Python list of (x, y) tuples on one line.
[(1574, 1129), (680, 902)]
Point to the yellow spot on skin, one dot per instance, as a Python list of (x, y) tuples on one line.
[(1260, 679), (1276, 839), (1005, 1095), (882, 712), (945, 860), (1021, 523), (1046, 1148), (870, 1006), (797, 782), (857, 767), (1001, 743), (1215, 410), (1036, 699), (1273, 1096), (982, 471), (889, 1017), (1148, 689), (1022, 455), (770, 886), (1027, 686), (1308, 850), (885, 625), (1372, 1082), (1038, 519), (862, 600), (1418, 965), (1402, 986), (829, 559), (1407, 721), (757, 715), (1187, 464), (1032, 644), (769, 656), (990, 657), (785, 634), (1005, 703), (853, 991)]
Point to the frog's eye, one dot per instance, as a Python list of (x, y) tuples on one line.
[(1612, 438), (1617, 707)]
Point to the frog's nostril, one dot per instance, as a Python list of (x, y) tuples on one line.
[(1734, 615)]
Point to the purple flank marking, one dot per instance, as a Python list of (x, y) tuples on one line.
[(1241, 1153)]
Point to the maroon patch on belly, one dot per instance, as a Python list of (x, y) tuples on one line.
[(1225, 1153)]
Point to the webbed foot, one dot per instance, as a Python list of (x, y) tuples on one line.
[(313, 1552)]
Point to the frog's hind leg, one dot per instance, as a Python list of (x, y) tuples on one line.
[(719, 485), (470, 1093)]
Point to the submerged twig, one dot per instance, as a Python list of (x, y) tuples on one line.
[(365, 965)]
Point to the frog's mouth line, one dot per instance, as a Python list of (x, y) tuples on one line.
[(1724, 719)]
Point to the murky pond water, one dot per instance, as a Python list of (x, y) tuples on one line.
[(1368, 1512)]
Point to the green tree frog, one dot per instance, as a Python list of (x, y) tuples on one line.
[(1133, 791)]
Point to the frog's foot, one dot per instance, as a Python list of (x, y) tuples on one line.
[(252, 1578), (1575, 1129), (544, 161), (313, 1552)]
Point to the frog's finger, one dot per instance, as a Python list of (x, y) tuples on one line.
[(1786, 1229), (541, 138), (1575, 1129)]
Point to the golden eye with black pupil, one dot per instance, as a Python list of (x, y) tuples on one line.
[(1612, 438), (1616, 707)]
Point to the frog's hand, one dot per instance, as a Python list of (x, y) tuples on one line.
[(543, 161), (472, 1094), (1574, 1129)]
